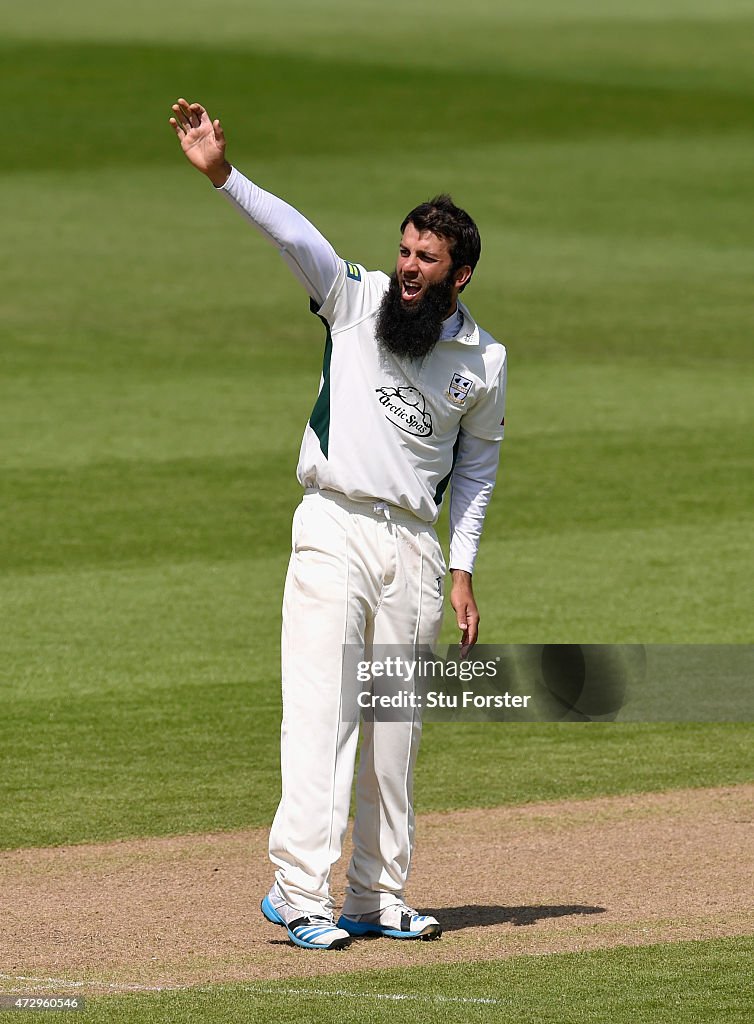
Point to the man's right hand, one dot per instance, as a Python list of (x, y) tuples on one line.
[(202, 140)]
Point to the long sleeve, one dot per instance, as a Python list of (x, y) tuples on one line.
[(471, 487), (309, 255)]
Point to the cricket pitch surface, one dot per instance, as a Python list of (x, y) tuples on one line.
[(174, 912)]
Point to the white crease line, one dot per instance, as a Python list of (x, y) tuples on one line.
[(46, 981), (397, 996), (95, 984), (253, 989)]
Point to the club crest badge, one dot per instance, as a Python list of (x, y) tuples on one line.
[(459, 388)]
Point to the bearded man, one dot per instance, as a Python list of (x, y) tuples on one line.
[(411, 400)]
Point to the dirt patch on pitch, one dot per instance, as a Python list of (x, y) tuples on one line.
[(506, 881)]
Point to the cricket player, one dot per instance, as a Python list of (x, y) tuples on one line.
[(411, 401)]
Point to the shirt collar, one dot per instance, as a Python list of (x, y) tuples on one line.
[(468, 333)]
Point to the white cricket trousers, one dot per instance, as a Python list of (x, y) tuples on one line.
[(366, 574)]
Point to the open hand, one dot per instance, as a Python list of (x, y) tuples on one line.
[(202, 140)]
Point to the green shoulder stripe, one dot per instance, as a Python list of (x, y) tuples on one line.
[(319, 420), (442, 486)]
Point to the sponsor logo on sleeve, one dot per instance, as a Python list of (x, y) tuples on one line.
[(407, 409), (459, 388), (352, 271)]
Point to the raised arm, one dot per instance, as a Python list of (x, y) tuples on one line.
[(307, 252)]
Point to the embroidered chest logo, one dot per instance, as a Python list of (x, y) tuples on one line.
[(459, 388), (407, 409)]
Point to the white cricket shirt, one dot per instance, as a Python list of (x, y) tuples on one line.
[(387, 428)]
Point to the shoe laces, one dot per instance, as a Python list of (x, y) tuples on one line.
[(404, 908)]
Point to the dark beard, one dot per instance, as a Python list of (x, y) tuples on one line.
[(413, 330)]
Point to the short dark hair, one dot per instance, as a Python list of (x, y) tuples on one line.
[(443, 218)]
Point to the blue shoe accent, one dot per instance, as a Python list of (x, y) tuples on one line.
[(433, 931), (270, 913), (359, 927), (306, 936), (305, 932)]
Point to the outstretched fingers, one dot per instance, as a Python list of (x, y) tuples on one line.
[(198, 114), (190, 115), (186, 116), (178, 120), (202, 140)]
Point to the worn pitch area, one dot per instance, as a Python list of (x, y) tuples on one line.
[(548, 877)]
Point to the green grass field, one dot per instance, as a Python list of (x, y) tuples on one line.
[(683, 982), (159, 364)]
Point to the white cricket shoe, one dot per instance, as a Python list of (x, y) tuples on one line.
[(398, 921), (310, 931)]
